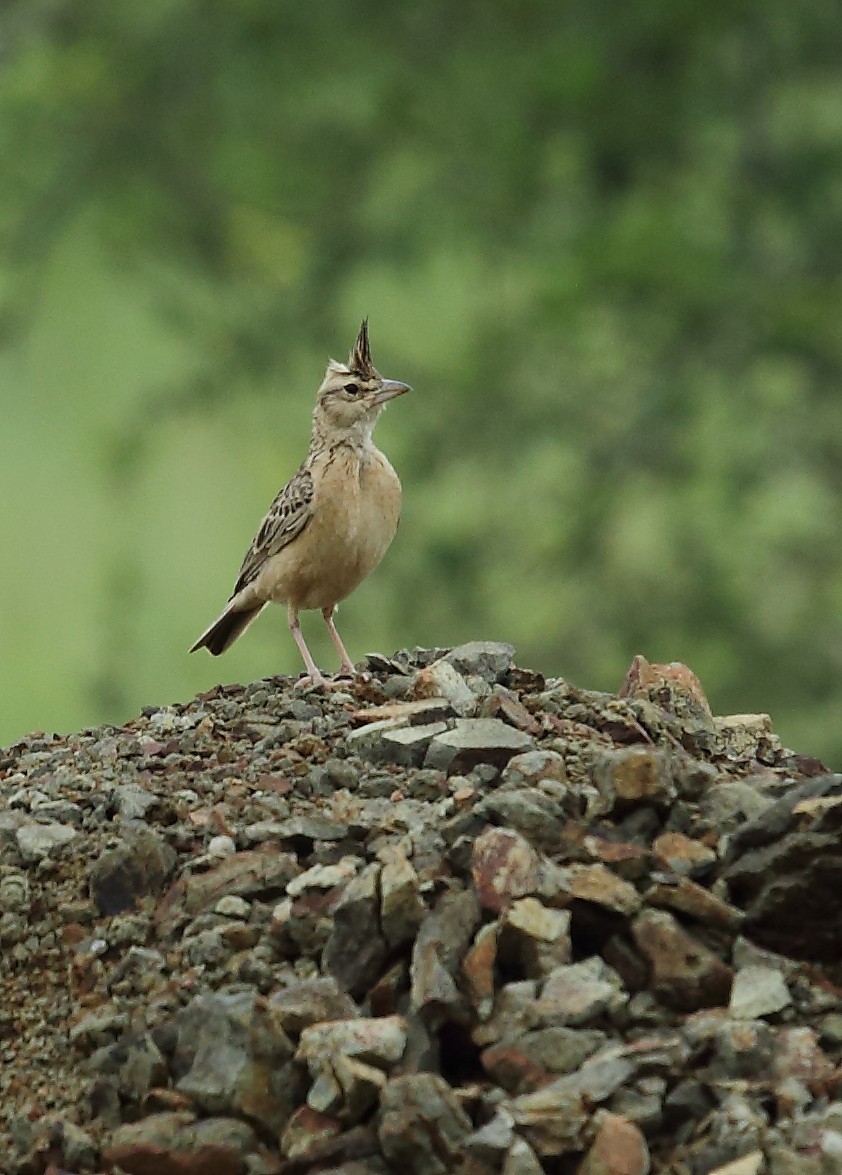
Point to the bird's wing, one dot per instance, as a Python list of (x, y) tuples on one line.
[(287, 517)]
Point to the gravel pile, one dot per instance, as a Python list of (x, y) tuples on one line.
[(450, 917)]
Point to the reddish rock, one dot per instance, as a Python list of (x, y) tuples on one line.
[(682, 854), (685, 974), (595, 883), (176, 1144), (504, 867), (619, 1148), (685, 896)]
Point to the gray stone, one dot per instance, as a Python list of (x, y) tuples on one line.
[(356, 949), (406, 747), (401, 906), (531, 812), (232, 1056), (580, 993), (758, 991), (489, 660), (138, 867), (37, 841), (521, 1160), (422, 1126), (473, 741)]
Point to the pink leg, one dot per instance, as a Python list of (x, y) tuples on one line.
[(347, 665), (309, 664)]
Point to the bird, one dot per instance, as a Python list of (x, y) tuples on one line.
[(331, 524)]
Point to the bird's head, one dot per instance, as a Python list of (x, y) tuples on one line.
[(353, 394)]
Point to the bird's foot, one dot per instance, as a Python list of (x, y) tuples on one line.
[(310, 679)]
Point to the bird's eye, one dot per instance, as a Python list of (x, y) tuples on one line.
[(351, 389)]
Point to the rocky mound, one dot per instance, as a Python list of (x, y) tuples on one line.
[(446, 918)]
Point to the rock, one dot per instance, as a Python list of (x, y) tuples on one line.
[(728, 806), (379, 1041), (232, 1056), (534, 937), (595, 883), (305, 1130), (138, 867), (521, 1160), (489, 660), (439, 949), (530, 812), (634, 775), (533, 766), (580, 993), (422, 1126), (750, 1164), (553, 1118), (441, 679), (685, 896), (743, 735), (310, 1001), (135, 1063), (39, 840), (758, 991), (618, 1148), (504, 867), (685, 974), (177, 1144), (356, 949), (407, 747), (401, 906), (473, 741), (526, 1061), (788, 886), (683, 855)]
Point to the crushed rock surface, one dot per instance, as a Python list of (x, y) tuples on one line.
[(447, 916)]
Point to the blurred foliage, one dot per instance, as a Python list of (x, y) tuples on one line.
[(602, 241)]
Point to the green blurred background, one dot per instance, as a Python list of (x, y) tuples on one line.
[(602, 241)]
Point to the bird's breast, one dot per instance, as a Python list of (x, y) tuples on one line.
[(355, 516)]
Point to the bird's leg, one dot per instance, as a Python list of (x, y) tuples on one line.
[(313, 673), (347, 665)]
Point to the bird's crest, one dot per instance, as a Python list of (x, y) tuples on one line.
[(359, 360)]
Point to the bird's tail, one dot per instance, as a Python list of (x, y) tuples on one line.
[(226, 628)]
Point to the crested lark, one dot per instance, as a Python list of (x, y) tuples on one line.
[(332, 522)]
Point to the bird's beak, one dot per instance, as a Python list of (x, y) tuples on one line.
[(389, 388)]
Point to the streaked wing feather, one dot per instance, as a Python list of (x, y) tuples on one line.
[(285, 520)]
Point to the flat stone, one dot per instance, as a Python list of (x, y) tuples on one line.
[(310, 1001), (474, 741), (440, 946), (687, 897), (597, 884), (739, 735), (408, 747), (758, 991), (305, 1130)]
